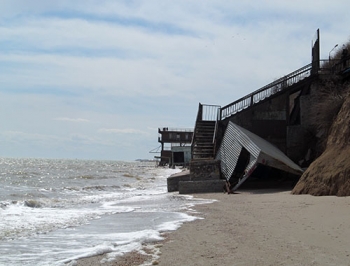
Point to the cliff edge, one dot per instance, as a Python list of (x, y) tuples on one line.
[(329, 174)]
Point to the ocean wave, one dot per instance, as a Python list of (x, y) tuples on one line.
[(128, 175), (32, 203), (101, 188), (27, 218), (87, 177), (4, 204)]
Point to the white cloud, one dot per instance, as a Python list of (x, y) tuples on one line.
[(20, 138), (221, 52), (122, 131), (79, 120)]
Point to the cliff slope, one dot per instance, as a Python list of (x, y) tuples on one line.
[(329, 174)]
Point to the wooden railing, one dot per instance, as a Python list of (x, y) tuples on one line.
[(208, 112), (265, 91)]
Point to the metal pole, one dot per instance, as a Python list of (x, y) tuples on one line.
[(329, 55)]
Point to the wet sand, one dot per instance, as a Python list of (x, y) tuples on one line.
[(260, 227)]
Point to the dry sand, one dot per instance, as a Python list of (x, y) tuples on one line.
[(260, 227)]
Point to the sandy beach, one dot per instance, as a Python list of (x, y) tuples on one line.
[(257, 227)]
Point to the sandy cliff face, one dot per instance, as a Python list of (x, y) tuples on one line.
[(330, 173)]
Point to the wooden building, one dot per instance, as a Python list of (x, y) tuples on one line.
[(175, 146)]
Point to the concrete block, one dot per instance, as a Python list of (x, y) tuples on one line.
[(204, 186), (173, 181), (205, 170)]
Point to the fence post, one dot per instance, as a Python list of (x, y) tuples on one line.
[(200, 112)]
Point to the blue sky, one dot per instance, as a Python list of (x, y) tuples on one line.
[(94, 79)]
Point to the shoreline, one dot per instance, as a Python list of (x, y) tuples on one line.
[(256, 227)]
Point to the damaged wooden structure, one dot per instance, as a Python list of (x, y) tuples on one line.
[(242, 152), (266, 129)]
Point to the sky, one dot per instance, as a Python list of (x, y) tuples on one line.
[(95, 79)]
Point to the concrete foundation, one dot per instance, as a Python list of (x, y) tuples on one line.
[(203, 177), (204, 170), (173, 181), (204, 186)]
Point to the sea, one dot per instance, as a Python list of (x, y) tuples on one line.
[(55, 211)]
